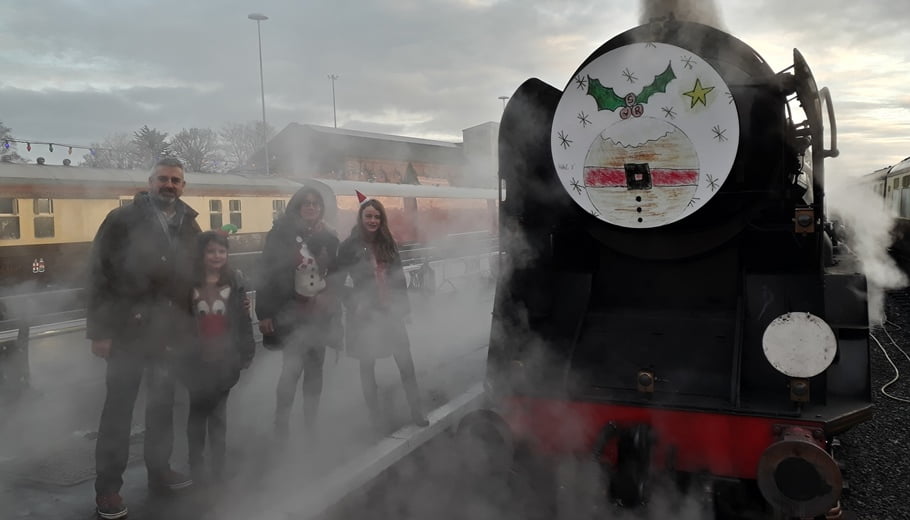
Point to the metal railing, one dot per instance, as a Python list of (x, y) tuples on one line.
[(428, 269)]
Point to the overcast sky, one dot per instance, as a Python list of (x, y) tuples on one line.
[(75, 71)]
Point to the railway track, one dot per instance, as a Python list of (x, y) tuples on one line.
[(874, 454)]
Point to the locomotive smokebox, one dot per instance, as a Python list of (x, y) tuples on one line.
[(798, 477)]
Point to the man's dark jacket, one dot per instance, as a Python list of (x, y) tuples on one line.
[(140, 278)]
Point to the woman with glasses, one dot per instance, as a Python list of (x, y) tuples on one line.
[(297, 302)]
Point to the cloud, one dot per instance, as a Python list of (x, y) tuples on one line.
[(76, 70)]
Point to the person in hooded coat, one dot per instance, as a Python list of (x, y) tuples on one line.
[(297, 304)]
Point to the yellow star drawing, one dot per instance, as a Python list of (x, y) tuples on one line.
[(698, 94)]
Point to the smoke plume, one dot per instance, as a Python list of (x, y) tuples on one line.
[(869, 235), (700, 11)]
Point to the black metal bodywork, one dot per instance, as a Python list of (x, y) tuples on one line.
[(587, 306)]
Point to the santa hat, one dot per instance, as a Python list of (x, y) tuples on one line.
[(361, 198)]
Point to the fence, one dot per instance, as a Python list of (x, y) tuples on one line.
[(24, 317)]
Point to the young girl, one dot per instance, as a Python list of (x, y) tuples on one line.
[(377, 306), (225, 346)]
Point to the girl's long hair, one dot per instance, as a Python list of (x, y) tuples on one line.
[(384, 246), (226, 276)]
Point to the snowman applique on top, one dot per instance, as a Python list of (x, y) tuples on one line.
[(308, 281)]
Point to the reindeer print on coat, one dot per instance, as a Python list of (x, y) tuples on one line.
[(210, 307)]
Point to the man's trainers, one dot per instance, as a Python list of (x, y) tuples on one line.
[(169, 480), (110, 506)]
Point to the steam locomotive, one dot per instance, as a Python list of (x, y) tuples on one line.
[(673, 310)]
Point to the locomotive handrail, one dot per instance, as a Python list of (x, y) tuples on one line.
[(825, 94)]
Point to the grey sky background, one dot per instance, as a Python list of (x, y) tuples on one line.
[(75, 71)]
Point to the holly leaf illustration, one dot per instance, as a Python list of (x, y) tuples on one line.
[(658, 85), (604, 96)]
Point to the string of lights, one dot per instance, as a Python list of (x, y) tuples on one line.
[(50, 146)]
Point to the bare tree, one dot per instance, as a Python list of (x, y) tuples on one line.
[(7, 154), (241, 140), (150, 145), (116, 151), (197, 148)]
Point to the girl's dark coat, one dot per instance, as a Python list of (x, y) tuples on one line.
[(373, 329), (216, 377)]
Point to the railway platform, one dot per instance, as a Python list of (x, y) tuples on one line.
[(47, 433)]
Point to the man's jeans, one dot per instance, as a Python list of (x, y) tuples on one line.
[(125, 368)]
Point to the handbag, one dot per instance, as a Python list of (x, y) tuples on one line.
[(271, 342)]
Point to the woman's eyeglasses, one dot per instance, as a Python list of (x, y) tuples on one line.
[(314, 203)]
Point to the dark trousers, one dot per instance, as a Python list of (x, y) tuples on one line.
[(208, 412), (124, 374), (408, 379), (297, 360)]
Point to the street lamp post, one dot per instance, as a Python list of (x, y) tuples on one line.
[(333, 77), (265, 136), (503, 99)]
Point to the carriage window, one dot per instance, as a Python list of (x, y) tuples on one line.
[(9, 218), (905, 181), (236, 215), (44, 218), (896, 184), (44, 227), (9, 206), (905, 203), (44, 206), (125, 202), (215, 220), (278, 208)]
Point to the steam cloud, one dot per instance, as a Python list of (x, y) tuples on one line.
[(869, 235), (700, 11)]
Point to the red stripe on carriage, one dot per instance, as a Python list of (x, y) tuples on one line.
[(607, 177)]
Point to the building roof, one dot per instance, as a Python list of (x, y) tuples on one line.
[(304, 150), (378, 136), (487, 124)]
